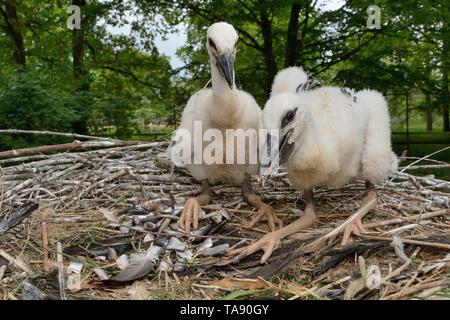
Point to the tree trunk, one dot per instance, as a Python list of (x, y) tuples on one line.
[(291, 50), (9, 13), (80, 73), (78, 46), (269, 57), (445, 96), (444, 68)]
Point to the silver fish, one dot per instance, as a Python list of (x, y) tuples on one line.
[(178, 267), (101, 274), (139, 219), (30, 292), (150, 226), (185, 255), (201, 231), (220, 249), (176, 244), (112, 254), (208, 243)]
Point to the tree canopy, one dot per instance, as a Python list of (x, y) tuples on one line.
[(93, 79)]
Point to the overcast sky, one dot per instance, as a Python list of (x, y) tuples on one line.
[(177, 39)]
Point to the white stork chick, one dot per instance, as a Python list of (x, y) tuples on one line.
[(329, 136), (222, 107)]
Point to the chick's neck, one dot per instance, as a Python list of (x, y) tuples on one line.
[(225, 107)]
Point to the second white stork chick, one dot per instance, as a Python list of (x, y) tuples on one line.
[(329, 136), (222, 107)]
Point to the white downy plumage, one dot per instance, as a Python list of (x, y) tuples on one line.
[(338, 135), (329, 136), (221, 107)]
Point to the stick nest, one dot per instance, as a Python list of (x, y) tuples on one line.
[(114, 204)]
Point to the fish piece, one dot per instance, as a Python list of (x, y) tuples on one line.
[(124, 228), (3, 261), (154, 252), (164, 224), (109, 215), (100, 258), (185, 255), (136, 212), (112, 254), (31, 292), (217, 216), (177, 209), (74, 276), (181, 200), (178, 234), (176, 244), (2, 271), (101, 274), (213, 251), (120, 244), (208, 243), (201, 231), (150, 226), (138, 219), (158, 205), (178, 267), (165, 266), (167, 210), (162, 241), (148, 238)]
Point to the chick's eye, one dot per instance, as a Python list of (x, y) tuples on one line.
[(288, 117), (212, 44)]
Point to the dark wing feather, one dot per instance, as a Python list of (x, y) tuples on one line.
[(16, 217)]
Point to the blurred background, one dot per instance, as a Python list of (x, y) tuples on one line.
[(130, 69)]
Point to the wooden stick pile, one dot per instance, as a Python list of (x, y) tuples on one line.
[(72, 188)]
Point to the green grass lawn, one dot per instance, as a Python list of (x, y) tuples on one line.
[(421, 150), (153, 134)]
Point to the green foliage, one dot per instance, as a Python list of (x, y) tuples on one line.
[(119, 84), (34, 101)]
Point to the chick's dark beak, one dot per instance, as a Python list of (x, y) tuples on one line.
[(286, 148), (225, 66), (266, 155)]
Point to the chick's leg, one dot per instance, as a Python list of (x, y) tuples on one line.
[(270, 241), (192, 207), (265, 211), (369, 203)]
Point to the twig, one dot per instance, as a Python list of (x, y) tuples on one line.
[(415, 289), (416, 217), (52, 133), (18, 263), (61, 276), (421, 159), (45, 261), (410, 241)]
